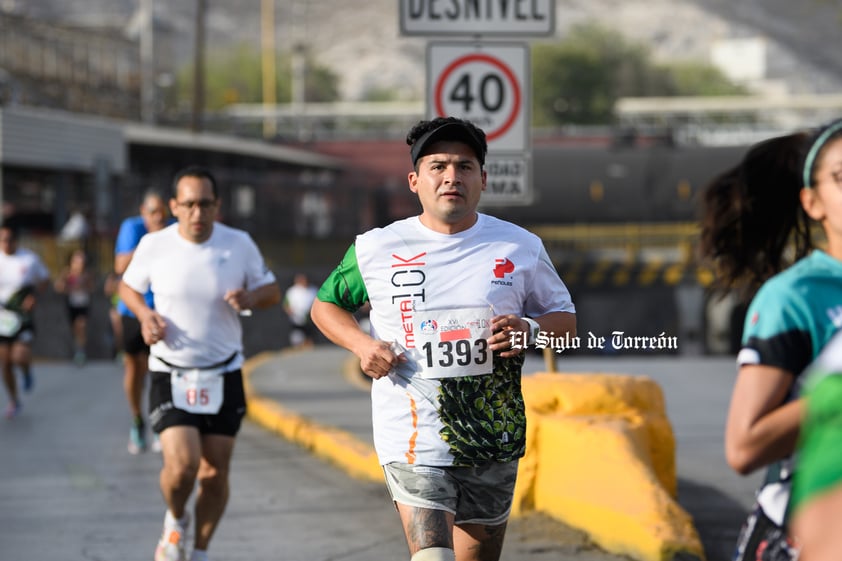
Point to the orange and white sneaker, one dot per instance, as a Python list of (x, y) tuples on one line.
[(171, 545)]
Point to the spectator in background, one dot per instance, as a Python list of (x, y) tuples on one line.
[(298, 300), (76, 283), (76, 229), (153, 217), (22, 277)]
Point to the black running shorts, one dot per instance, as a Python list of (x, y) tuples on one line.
[(133, 343), (162, 413)]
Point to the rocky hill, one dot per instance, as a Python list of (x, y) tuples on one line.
[(360, 39)]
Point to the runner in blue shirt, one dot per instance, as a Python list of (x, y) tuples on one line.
[(153, 217)]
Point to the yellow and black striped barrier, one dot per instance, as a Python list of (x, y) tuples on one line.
[(612, 274)]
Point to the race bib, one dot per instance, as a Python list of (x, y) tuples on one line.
[(10, 323), (451, 343), (198, 391)]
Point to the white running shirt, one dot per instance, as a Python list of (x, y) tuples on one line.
[(21, 269), (410, 274), (189, 281)]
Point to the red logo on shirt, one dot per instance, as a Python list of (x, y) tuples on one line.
[(754, 318), (502, 266)]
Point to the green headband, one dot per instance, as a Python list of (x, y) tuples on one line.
[(814, 149)]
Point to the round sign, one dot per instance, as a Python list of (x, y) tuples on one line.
[(481, 88)]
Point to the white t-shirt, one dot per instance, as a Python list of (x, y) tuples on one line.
[(18, 270), (299, 299), (431, 294), (189, 281)]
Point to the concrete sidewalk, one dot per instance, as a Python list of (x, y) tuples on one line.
[(299, 394)]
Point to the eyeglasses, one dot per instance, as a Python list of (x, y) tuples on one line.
[(202, 204)]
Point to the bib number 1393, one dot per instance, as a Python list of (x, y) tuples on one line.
[(454, 342), (463, 352)]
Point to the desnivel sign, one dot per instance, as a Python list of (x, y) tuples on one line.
[(477, 17)]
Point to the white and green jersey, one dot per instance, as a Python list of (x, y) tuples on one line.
[(432, 295)]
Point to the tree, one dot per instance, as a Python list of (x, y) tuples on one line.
[(698, 78), (234, 75), (580, 79)]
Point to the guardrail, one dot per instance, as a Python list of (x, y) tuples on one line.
[(572, 247), (634, 241)]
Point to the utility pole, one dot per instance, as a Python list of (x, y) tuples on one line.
[(147, 62), (299, 65), (267, 36), (199, 67)]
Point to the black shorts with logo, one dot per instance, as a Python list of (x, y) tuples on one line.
[(163, 414), (133, 343)]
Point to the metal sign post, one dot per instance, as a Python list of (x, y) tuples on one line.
[(486, 83)]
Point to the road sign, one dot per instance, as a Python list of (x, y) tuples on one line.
[(472, 17), (488, 84), (509, 180), (484, 83)]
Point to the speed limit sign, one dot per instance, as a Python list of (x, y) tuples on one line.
[(485, 83)]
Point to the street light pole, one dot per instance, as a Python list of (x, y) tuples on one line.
[(199, 67), (147, 62), (267, 35), (299, 65)]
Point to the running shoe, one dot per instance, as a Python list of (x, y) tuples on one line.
[(28, 381), (171, 545), (13, 410), (137, 439), (199, 556), (156, 443), (79, 358)]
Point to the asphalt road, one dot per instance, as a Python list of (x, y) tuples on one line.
[(70, 491), (696, 390)]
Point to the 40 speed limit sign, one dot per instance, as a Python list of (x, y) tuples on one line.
[(486, 83)]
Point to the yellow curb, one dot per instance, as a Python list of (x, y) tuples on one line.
[(336, 446), (600, 457), (352, 374)]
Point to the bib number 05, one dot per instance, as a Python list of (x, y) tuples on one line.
[(198, 391)]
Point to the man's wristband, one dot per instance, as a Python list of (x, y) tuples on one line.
[(534, 328)]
